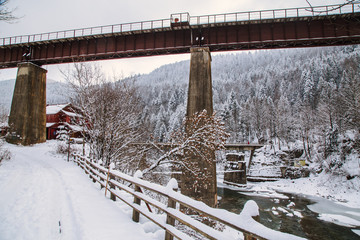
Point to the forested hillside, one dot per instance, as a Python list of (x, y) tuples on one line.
[(297, 98), (56, 92), (307, 99)]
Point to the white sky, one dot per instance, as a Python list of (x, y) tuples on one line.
[(40, 16)]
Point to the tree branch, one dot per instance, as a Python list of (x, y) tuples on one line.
[(329, 10)]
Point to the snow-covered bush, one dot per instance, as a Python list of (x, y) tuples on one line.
[(4, 153), (62, 134), (62, 147)]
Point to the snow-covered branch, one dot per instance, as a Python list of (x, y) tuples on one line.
[(199, 135)]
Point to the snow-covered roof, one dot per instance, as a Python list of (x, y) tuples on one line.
[(54, 109), (50, 124), (74, 128), (71, 114)]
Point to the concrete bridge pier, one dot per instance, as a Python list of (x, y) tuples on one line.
[(27, 119), (201, 183)]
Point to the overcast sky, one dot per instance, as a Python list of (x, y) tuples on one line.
[(41, 16)]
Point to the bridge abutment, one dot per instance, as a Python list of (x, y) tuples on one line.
[(199, 180), (27, 120)]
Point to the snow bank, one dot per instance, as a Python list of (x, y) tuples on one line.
[(356, 231), (339, 220)]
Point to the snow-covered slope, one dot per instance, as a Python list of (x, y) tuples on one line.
[(45, 197)]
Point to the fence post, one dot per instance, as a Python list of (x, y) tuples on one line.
[(90, 175), (173, 185), (68, 157), (100, 162), (83, 147), (108, 182), (112, 196), (91, 171), (136, 214)]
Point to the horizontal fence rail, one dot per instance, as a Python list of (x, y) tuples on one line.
[(191, 21), (116, 183)]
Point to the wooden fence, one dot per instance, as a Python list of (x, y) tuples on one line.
[(114, 182)]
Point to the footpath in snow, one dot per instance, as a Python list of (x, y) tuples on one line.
[(45, 197)]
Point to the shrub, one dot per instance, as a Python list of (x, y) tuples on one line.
[(4, 153)]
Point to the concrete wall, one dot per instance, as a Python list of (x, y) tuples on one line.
[(27, 119), (235, 169)]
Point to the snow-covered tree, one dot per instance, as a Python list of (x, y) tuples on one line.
[(309, 88), (198, 135), (111, 113), (350, 98), (284, 121)]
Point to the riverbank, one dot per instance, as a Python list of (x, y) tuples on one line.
[(335, 188), (333, 199)]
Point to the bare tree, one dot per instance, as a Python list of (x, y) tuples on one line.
[(329, 9), (111, 113), (6, 14)]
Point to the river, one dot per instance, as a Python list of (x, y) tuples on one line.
[(298, 215)]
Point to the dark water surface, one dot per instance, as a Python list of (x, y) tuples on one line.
[(307, 226)]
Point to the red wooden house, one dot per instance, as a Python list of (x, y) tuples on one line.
[(60, 117)]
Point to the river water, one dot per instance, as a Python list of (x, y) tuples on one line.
[(292, 214)]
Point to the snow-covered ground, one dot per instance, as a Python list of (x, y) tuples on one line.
[(42, 196), (45, 197)]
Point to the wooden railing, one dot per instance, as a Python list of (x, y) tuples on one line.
[(116, 183)]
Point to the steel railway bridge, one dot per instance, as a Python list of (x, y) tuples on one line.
[(282, 28)]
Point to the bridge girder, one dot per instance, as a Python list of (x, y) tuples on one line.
[(331, 30)]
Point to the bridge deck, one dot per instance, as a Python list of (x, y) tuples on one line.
[(295, 27)]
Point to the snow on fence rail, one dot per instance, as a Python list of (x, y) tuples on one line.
[(193, 20), (115, 182)]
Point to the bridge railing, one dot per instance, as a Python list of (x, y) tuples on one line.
[(118, 185), (83, 32), (195, 20), (276, 14)]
